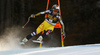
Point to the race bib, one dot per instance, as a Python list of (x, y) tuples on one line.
[(50, 20)]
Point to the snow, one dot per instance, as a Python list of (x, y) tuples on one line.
[(68, 50)]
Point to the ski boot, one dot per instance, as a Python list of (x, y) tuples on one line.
[(39, 40), (24, 41)]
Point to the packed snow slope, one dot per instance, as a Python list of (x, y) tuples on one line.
[(68, 50)]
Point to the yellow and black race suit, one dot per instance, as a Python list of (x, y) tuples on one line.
[(49, 22)]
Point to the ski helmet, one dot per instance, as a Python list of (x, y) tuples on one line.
[(55, 7)]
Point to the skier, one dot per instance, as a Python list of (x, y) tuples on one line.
[(48, 24)]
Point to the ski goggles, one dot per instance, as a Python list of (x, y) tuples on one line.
[(56, 10)]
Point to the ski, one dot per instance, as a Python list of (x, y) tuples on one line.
[(36, 41), (21, 43)]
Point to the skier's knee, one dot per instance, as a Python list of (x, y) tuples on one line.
[(33, 33), (47, 33)]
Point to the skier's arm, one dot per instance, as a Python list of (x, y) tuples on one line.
[(44, 12), (62, 24)]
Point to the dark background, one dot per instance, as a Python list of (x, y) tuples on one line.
[(81, 19)]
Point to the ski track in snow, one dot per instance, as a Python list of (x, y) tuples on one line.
[(69, 50)]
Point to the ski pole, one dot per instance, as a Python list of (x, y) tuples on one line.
[(26, 22), (41, 43), (64, 37), (62, 40)]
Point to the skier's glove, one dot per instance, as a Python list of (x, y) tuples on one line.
[(32, 16), (63, 33)]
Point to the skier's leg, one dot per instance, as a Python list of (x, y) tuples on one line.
[(31, 35), (38, 30), (44, 34), (28, 37), (48, 29)]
